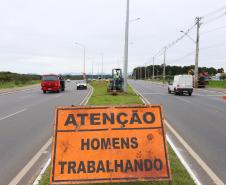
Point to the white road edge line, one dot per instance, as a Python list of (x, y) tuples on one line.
[(28, 166), (37, 180), (84, 102), (183, 161), (8, 116), (198, 159)]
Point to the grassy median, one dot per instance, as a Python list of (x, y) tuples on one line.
[(101, 97)]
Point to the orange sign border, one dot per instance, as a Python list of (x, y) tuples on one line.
[(105, 180)]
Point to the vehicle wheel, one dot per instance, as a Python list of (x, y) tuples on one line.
[(169, 91), (58, 91), (44, 91), (175, 92), (62, 89), (189, 93)]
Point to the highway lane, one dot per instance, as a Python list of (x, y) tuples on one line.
[(199, 119), (26, 123)]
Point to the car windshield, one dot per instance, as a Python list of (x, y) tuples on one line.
[(49, 78)]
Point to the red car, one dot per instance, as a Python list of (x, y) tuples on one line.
[(54, 83)]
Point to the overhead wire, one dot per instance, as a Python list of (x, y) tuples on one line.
[(213, 30), (214, 12), (185, 33), (204, 48), (214, 19), (161, 51)]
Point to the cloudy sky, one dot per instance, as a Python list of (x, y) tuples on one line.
[(38, 36)]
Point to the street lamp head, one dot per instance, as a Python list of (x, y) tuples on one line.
[(181, 31)]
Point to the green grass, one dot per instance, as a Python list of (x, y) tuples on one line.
[(7, 85), (217, 84), (100, 97)]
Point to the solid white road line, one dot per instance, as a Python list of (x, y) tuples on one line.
[(8, 116), (198, 159), (37, 180), (83, 102), (86, 99), (182, 160), (28, 166)]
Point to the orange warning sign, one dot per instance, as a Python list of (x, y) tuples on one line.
[(109, 144)]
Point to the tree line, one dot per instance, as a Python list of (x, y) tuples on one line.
[(6, 77), (170, 71)]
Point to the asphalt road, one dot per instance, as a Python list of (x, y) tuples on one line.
[(26, 123), (199, 119)]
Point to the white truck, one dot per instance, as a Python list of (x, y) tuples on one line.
[(181, 84)]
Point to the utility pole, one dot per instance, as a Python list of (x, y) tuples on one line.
[(84, 58), (198, 19), (164, 66), (84, 62), (126, 48), (153, 72), (98, 72)]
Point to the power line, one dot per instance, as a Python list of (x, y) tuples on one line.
[(214, 12), (213, 46), (183, 57), (204, 48), (161, 51), (213, 30), (215, 18)]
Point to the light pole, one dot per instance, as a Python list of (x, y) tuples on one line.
[(84, 58), (164, 66), (125, 66)]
